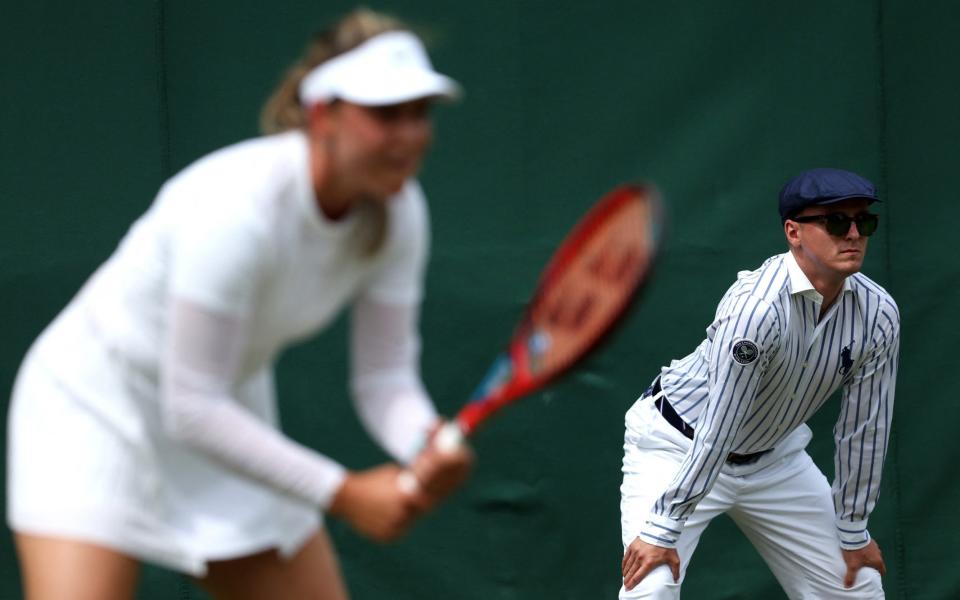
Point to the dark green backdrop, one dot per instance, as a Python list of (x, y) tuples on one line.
[(718, 102)]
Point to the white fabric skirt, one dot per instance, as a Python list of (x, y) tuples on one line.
[(88, 460)]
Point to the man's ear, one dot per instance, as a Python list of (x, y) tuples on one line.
[(791, 229)]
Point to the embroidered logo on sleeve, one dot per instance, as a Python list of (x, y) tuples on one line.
[(745, 352)]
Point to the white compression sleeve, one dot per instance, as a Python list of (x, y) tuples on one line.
[(200, 365), (385, 379)]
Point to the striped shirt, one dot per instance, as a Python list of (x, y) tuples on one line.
[(768, 363)]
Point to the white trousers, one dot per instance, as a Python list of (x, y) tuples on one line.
[(782, 503)]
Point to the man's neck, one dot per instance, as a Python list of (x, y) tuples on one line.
[(828, 285)]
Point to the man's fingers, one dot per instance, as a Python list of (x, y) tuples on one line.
[(674, 563), (628, 557), (641, 559), (633, 568), (881, 566), (641, 571), (850, 577), (630, 561), (868, 556)]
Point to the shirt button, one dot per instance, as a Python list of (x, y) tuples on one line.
[(804, 365)]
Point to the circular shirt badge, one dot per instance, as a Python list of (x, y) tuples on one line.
[(745, 352)]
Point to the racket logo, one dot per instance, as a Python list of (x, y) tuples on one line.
[(571, 312), (613, 263)]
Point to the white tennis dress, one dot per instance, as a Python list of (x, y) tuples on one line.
[(144, 417)]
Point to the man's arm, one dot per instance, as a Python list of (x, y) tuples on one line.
[(862, 431), (744, 333)]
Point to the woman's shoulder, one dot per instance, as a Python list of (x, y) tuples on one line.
[(245, 166), (245, 177)]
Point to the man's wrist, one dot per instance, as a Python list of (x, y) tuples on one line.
[(853, 534), (661, 531)]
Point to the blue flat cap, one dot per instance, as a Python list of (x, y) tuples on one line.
[(823, 186)]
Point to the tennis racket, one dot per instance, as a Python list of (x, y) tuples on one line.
[(586, 288), (588, 285)]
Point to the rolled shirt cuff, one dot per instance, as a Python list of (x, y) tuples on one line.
[(661, 531), (330, 483), (853, 534)]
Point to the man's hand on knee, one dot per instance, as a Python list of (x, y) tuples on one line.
[(868, 556), (641, 558)]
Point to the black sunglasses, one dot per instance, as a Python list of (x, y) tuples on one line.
[(838, 224)]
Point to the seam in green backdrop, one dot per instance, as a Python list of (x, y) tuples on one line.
[(899, 555)]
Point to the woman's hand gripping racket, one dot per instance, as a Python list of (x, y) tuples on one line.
[(586, 287)]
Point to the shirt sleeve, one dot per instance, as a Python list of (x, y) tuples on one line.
[(863, 429), (385, 378), (743, 336), (199, 371)]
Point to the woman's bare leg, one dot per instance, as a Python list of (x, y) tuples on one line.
[(55, 568), (312, 574)]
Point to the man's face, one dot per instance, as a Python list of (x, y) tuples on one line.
[(827, 254)]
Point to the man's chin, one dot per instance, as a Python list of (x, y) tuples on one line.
[(849, 266)]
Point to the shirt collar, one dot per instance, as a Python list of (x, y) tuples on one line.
[(799, 284)]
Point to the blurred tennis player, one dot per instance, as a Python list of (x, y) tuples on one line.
[(143, 425), (723, 429)]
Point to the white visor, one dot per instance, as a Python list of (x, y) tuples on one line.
[(390, 68)]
